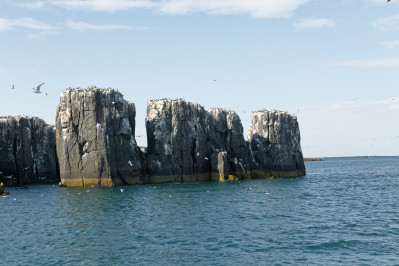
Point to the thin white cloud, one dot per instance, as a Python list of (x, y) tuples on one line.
[(18, 70), (103, 5), (40, 35), (387, 23), (315, 23), (383, 105), (5, 24), (391, 44), (27, 23), (367, 63), (31, 5), (256, 8), (82, 26)]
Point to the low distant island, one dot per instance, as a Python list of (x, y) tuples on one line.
[(313, 159), (93, 143)]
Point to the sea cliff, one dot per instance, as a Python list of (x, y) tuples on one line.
[(27, 151), (275, 142), (94, 143), (188, 143), (95, 139)]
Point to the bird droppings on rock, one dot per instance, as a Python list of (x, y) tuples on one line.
[(28, 151), (95, 143), (95, 139)]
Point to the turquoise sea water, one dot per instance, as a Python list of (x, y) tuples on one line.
[(345, 211)]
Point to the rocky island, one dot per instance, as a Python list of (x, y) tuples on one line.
[(276, 144), (188, 143), (94, 140), (27, 151)]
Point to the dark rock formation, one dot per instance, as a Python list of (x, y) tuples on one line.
[(188, 143), (179, 148), (95, 139), (226, 135), (27, 151), (275, 142)]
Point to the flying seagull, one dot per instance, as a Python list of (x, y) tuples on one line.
[(13, 88), (37, 90)]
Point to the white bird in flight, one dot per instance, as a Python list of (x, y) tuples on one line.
[(37, 90)]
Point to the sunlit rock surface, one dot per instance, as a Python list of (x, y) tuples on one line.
[(27, 151), (274, 138), (95, 139)]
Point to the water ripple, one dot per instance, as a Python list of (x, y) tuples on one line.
[(343, 212)]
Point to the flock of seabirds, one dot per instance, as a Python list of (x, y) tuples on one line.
[(37, 90)]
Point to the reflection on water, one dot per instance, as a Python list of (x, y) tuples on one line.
[(343, 211)]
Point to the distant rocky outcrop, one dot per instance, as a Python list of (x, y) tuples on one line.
[(27, 151), (95, 139), (275, 143)]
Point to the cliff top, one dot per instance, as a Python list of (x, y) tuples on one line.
[(278, 112), (18, 117), (213, 109), (219, 109), (177, 100), (93, 88)]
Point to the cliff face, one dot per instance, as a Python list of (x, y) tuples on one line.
[(226, 135), (95, 139), (275, 143), (27, 151), (178, 144), (95, 143), (188, 143)]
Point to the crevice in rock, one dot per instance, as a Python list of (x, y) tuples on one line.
[(16, 160), (194, 158)]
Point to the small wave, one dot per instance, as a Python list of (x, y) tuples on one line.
[(333, 245)]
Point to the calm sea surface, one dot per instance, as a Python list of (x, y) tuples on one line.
[(345, 211)]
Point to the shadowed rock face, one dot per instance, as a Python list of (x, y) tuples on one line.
[(179, 148), (188, 143), (227, 136), (27, 151), (95, 139), (275, 143)]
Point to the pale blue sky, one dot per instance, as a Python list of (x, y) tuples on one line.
[(332, 63)]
